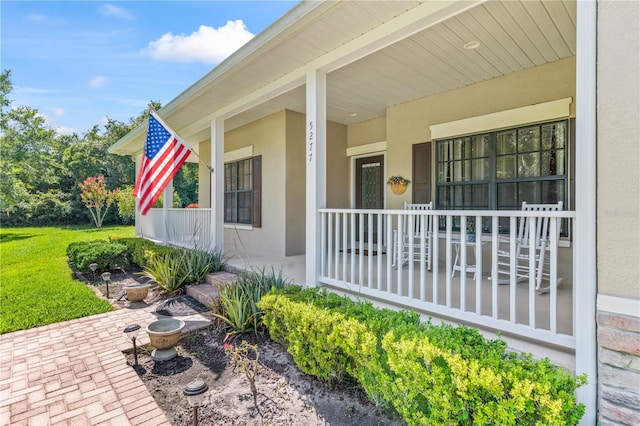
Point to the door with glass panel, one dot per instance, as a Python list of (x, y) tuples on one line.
[(369, 191)]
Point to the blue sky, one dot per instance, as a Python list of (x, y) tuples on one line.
[(78, 62)]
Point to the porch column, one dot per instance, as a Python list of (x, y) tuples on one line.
[(217, 183), (166, 205), (585, 273), (316, 177)]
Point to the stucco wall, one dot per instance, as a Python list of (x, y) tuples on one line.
[(204, 175), (367, 132), (268, 139), (618, 95), (408, 123), (295, 184), (618, 212), (338, 184)]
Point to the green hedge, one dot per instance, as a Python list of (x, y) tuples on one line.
[(428, 374), (141, 251), (108, 256)]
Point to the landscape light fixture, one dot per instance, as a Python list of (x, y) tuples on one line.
[(132, 332), (93, 267), (194, 392), (106, 277)]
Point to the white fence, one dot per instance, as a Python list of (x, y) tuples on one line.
[(182, 227), (494, 282)]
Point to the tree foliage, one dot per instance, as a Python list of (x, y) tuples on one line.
[(96, 197), (40, 170)]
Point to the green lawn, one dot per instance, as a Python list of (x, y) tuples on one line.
[(37, 286)]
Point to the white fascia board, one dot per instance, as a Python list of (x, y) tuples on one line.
[(415, 20)]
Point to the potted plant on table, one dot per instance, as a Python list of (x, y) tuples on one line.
[(398, 184)]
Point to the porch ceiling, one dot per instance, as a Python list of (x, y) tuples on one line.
[(377, 54)]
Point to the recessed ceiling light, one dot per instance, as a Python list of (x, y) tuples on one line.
[(353, 114), (472, 45)]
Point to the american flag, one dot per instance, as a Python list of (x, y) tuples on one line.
[(164, 153)]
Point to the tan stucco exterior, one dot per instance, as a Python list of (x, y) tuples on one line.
[(268, 137), (408, 123), (618, 135), (204, 176), (295, 184), (338, 186), (367, 132), (280, 140)]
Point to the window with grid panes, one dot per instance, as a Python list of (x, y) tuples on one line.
[(238, 192), (499, 170)]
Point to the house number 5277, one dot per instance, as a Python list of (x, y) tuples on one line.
[(311, 140)]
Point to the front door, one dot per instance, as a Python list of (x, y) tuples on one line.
[(370, 188)]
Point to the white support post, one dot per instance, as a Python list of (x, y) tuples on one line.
[(316, 154), (137, 159), (584, 240), (166, 205), (217, 183)]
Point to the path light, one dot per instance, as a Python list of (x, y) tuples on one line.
[(93, 267), (132, 332), (195, 394), (106, 277)]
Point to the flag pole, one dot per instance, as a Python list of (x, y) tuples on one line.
[(152, 109)]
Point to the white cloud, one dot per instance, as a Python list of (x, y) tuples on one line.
[(111, 10), (37, 17), (208, 45), (62, 130), (98, 81), (34, 90), (59, 112), (52, 124)]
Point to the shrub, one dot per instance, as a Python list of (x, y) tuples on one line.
[(141, 251), (428, 374), (108, 256)]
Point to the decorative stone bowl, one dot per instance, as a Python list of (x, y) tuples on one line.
[(164, 334), (137, 292)]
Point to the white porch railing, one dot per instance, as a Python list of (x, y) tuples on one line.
[(183, 227), (357, 249)]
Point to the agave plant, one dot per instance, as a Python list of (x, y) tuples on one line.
[(238, 303), (235, 310), (166, 271)]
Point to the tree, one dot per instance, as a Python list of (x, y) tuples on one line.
[(126, 204), (96, 197), (26, 153)]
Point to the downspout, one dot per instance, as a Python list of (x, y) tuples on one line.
[(585, 271)]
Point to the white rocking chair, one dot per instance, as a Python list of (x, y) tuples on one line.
[(541, 246), (410, 238)]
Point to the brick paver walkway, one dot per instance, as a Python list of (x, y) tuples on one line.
[(75, 373)]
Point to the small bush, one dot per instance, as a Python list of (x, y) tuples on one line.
[(428, 374), (108, 256), (141, 251)]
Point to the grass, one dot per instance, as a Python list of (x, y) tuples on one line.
[(37, 286)]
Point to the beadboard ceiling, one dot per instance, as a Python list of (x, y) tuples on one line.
[(396, 68)]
